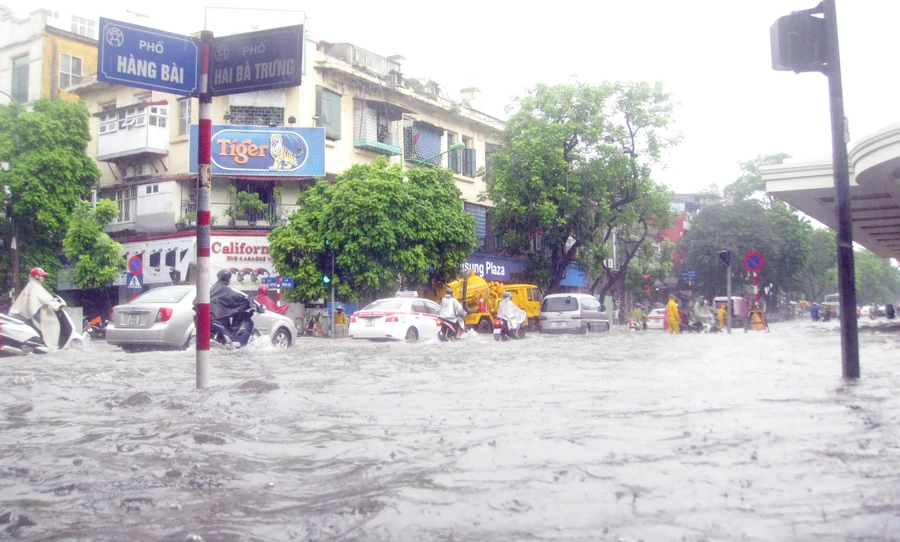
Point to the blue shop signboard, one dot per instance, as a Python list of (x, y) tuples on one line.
[(264, 151), (491, 267)]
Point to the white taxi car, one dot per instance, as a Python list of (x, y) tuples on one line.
[(395, 319), (655, 319)]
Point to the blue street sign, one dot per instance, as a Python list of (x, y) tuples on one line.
[(256, 61), (136, 265), (270, 281), (134, 283), (287, 283), (141, 57), (689, 275)]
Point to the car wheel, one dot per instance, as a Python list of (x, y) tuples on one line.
[(412, 334), (583, 330), (485, 326), (190, 343), (281, 339)]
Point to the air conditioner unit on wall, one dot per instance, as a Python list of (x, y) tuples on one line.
[(144, 170), (129, 172)]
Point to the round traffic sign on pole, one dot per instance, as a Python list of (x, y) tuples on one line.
[(136, 265), (754, 262)]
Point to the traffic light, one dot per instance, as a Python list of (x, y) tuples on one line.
[(326, 279), (725, 256)]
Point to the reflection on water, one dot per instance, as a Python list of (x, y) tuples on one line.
[(621, 435)]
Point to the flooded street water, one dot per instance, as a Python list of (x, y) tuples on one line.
[(618, 436)]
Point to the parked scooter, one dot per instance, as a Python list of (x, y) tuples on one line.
[(18, 337), (96, 328), (314, 327), (504, 331)]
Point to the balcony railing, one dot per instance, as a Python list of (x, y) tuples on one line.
[(275, 214)]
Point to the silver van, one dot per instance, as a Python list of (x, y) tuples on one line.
[(573, 313)]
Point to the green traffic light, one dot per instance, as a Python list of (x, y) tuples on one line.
[(326, 279)]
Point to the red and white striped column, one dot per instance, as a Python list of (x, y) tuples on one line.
[(204, 185)]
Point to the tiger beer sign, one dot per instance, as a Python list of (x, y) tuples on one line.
[(263, 151)]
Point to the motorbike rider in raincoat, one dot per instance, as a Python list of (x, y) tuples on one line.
[(39, 306), (702, 314), (673, 316), (452, 311), (228, 307), (507, 310), (263, 299)]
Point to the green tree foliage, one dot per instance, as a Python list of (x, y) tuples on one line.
[(821, 266), (97, 258), (385, 228), (749, 183), (49, 173), (575, 167), (877, 281), (651, 264), (776, 233)]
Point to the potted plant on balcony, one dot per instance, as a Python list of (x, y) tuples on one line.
[(245, 207)]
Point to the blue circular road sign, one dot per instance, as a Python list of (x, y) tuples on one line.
[(754, 262), (135, 265)]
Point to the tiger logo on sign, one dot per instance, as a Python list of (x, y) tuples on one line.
[(284, 159)]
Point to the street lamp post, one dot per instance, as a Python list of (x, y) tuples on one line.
[(454, 147)]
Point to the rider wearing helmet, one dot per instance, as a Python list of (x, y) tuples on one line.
[(39, 306), (510, 312), (227, 308), (451, 310)]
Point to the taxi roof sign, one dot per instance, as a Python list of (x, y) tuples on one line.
[(407, 293)]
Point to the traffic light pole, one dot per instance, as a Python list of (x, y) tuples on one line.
[(331, 316), (846, 274), (729, 304)]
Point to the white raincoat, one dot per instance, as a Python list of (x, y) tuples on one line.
[(36, 300), (511, 313)]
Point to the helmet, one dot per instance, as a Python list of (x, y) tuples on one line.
[(38, 272), (263, 289), (224, 275), (449, 291), (506, 295)]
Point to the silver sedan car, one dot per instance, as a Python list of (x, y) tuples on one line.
[(164, 318)]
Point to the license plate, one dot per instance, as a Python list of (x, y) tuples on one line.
[(370, 322), (496, 331), (134, 319), (557, 324)]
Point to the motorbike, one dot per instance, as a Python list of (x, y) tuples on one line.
[(449, 330), (18, 337), (96, 328), (313, 327), (227, 333), (502, 331)]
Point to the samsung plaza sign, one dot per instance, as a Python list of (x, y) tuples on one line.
[(264, 151)]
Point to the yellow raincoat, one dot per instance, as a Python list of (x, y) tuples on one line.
[(721, 315), (673, 316)]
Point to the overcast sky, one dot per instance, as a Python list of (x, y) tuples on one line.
[(714, 55)]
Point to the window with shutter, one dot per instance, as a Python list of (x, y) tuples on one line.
[(328, 113), (469, 165), (453, 161)]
